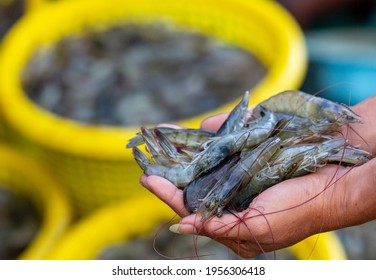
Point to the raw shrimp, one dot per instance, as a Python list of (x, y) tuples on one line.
[(180, 176), (185, 137), (265, 178), (294, 102), (197, 189), (251, 161), (169, 149), (153, 147), (315, 158), (236, 119), (300, 130), (229, 144), (350, 156)]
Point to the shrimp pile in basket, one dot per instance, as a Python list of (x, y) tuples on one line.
[(288, 135)]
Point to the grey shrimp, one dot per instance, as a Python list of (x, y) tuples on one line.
[(251, 161), (229, 144), (180, 176), (294, 102)]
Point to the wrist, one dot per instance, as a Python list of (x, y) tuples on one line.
[(360, 194), (349, 198)]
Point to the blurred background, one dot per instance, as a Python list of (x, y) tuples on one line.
[(340, 37), (76, 83)]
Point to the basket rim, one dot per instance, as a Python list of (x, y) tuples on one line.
[(76, 138), (56, 210), (111, 224)]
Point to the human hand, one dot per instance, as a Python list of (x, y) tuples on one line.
[(292, 210)]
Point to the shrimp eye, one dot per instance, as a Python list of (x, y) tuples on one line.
[(263, 111)]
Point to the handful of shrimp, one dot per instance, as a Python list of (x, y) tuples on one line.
[(288, 135)]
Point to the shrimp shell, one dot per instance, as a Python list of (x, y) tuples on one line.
[(185, 137), (294, 102), (237, 118), (229, 144), (180, 176), (264, 179), (350, 156), (198, 188), (237, 177)]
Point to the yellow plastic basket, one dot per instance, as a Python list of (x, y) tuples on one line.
[(118, 223), (107, 225), (2, 129), (32, 4), (91, 161), (27, 177)]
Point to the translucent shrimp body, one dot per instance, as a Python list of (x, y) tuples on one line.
[(180, 176), (305, 105), (265, 178), (237, 177), (237, 118), (350, 156), (229, 144), (188, 137), (199, 187)]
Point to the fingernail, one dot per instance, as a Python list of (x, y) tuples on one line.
[(175, 228)]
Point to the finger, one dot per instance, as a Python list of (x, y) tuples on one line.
[(214, 122), (248, 247), (245, 249), (228, 226), (165, 191)]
